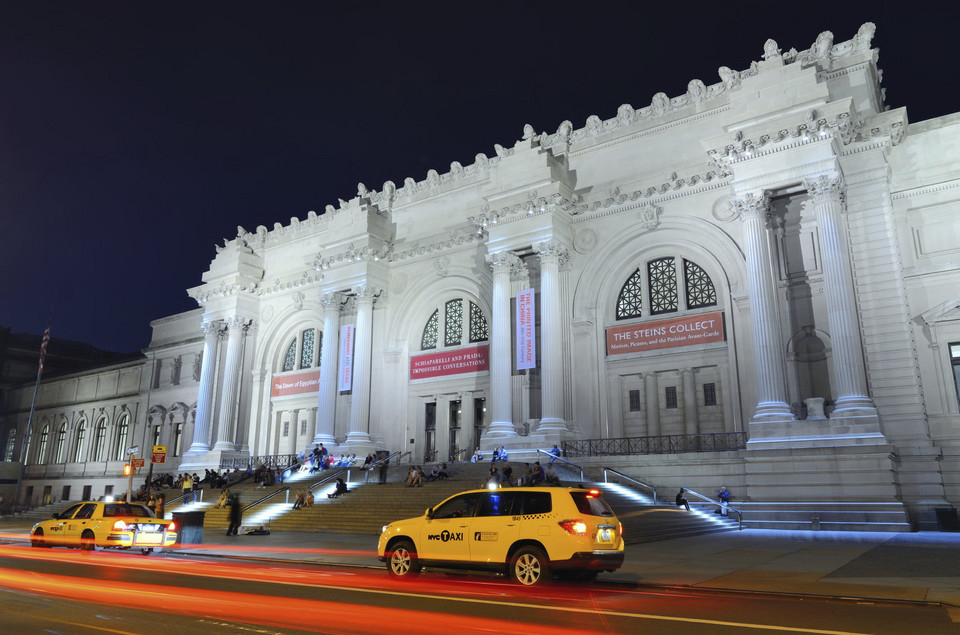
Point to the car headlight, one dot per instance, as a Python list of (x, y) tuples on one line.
[(384, 529)]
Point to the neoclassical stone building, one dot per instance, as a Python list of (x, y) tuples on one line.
[(772, 257)]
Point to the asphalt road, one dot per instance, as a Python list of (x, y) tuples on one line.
[(66, 591)]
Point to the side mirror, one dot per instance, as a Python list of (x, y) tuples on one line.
[(56, 516), (429, 513)]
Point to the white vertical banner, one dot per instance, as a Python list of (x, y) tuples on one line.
[(345, 378), (526, 335)]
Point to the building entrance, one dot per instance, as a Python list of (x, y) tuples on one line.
[(430, 432)]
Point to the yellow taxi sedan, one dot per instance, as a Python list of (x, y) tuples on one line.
[(99, 525)]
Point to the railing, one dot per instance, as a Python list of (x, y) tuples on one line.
[(281, 461), (718, 504), (283, 490), (376, 464), (667, 444), (653, 490), (554, 457), (458, 455), (329, 478)]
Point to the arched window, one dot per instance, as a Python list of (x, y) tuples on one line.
[(78, 441), (58, 447), (664, 286), (123, 428), (42, 448), (447, 325), (99, 439), (303, 351)]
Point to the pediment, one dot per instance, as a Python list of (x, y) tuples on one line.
[(944, 312)]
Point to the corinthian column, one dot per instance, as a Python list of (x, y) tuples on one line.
[(360, 398), (846, 363), (201, 424), (765, 320), (236, 329), (552, 256), (501, 425), (327, 397)]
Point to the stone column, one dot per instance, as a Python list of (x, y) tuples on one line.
[(291, 441), (765, 320), (691, 424), (552, 255), (362, 351), (201, 424), (651, 391), (327, 396), (501, 363), (846, 363), (236, 328)]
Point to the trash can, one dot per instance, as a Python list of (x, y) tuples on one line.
[(189, 527), (947, 519)]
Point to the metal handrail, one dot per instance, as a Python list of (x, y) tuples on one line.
[(267, 497), (560, 458), (631, 479), (378, 462), (719, 505), (457, 456), (329, 478)]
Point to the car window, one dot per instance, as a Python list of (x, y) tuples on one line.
[(126, 510), (70, 511), (86, 511), (458, 506), (591, 504), (537, 503), (497, 503)]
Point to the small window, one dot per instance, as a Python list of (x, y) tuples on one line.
[(286, 428), (303, 427), (591, 504), (537, 503), (458, 507), (634, 401), (453, 322), (70, 511), (671, 393), (709, 394), (430, 332), (498, 503), (290, 359)]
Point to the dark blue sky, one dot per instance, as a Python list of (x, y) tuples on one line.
[(134, 136)]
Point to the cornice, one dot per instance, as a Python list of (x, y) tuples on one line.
[(926, 189)]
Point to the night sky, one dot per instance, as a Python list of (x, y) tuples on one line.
[(136, 135)]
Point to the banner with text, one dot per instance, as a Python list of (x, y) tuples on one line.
[(465, 360), (346, 358), (704, 328), (526, 330), (296, 384)]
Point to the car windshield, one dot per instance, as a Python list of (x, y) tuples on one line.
[(126, 510), (591, 503)]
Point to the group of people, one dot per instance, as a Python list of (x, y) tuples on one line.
[(723, 497), (530, 476), (416, 477)]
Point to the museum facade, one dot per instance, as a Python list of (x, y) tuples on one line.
[(772, 257)]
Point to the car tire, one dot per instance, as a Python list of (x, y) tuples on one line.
[(529, 566), (402, 561), (37, 540), (88, 541), (147, 551)]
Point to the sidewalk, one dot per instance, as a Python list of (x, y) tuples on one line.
[(921, 566)]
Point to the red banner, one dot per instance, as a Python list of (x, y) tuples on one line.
[(703, 328), (296, 384), (464, 360)]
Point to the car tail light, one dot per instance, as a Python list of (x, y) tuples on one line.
[(575, 527), (172, 526), (620, 529), (120, 525), (593, 493)]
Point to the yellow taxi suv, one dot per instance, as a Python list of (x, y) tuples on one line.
[(529, 533), (101, 525)]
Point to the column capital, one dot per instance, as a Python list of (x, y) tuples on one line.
[(504, 262), (826, 188), (751, 206), (550, 251), (366, 294), (331, 301)]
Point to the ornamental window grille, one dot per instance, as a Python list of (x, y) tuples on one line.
[(42, 448), (303, 351), (709, 394), (79, 442), (453, 321), (478, 325), (306, 348), (671, 397), (290, 359), (123, 428), (658, 280), (662, 274), (634, 401), (99, 439), (58, 447), (699, 287), (447, 326)]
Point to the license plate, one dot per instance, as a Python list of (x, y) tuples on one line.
[(149, 539), (606, 535)]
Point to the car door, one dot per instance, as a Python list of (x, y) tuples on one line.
[(443, 535), (56, 528), (83, 519), (495, 527)]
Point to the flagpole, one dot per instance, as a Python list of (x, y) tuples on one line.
[(33, 406)]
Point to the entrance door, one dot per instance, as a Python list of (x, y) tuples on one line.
[(479, 420), (430, 433), (47, 495), (455, 416)]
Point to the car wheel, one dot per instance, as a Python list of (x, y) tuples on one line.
[(146, 552), (36, 540), (88, 542), (402, 561), (529, 566)]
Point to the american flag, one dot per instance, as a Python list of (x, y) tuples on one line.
[(43, 347)]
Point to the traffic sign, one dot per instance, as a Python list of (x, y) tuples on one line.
[(137, 462), (159, 454)]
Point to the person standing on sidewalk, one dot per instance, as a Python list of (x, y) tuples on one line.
[(384, 464), (236, 514)]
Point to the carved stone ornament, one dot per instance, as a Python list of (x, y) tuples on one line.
[(752, 206), (585, 241), (825, 188), (729, 77), (298, 300), (771, 50), (724, 210), (696, 91), (552, 251), (504, 261), (650, 216)]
